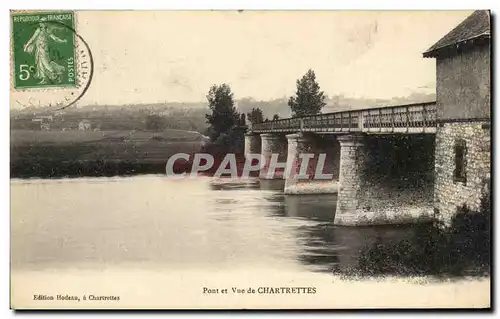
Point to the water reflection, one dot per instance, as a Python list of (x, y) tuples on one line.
[(202, 223), (325, 246), (271, 185), (315, 207), (322, 246), (227, 184)]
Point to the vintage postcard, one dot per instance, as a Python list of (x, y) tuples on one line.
[(250, 159)]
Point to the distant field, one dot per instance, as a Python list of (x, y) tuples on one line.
[(112, 146), (25, 137), (20, 137)]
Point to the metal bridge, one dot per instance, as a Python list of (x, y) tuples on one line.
[(410, 118)]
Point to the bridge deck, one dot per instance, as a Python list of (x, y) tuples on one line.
[(411, 118)]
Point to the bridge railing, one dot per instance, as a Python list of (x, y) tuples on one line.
[(411, 117), (339, 121), (400, 117), (283, 125)]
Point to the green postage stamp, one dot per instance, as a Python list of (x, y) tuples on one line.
[(44, 49)]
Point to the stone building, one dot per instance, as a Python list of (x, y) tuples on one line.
[(84, 125), (463, 87), (44, 122)]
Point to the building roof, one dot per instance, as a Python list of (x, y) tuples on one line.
[(475, 27)]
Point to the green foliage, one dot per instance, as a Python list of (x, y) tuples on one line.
[(276, 117), (434, 249), (243, 120), (230, 141), (308, 98), (223, 114), (256, 116), (155, 122)]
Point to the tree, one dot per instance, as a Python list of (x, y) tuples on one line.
[(223, 114), (308, 98), (276, 117), (155, 122), (256, 116)]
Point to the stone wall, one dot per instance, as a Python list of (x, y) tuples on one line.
[(449, 194)]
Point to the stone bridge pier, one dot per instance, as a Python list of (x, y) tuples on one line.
[(274, 150), (385, 179), (351, 181), (379, 178), (313, 161), (252, 144)]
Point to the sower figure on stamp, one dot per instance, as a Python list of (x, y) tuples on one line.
[(38, 45)]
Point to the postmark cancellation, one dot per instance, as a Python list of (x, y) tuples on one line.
[(51, 64)]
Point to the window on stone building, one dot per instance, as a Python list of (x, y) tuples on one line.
[(460, 161)]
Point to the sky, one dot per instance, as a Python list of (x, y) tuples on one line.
[(158, 56)]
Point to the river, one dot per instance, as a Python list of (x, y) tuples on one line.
[(94, 229)]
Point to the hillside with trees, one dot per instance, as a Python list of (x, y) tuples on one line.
[(184, 116)]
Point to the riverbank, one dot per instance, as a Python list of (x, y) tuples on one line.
[(37, 167), (56, 154), (47, 168)]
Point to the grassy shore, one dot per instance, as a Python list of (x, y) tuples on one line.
[(462, 248), (100, 153)]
